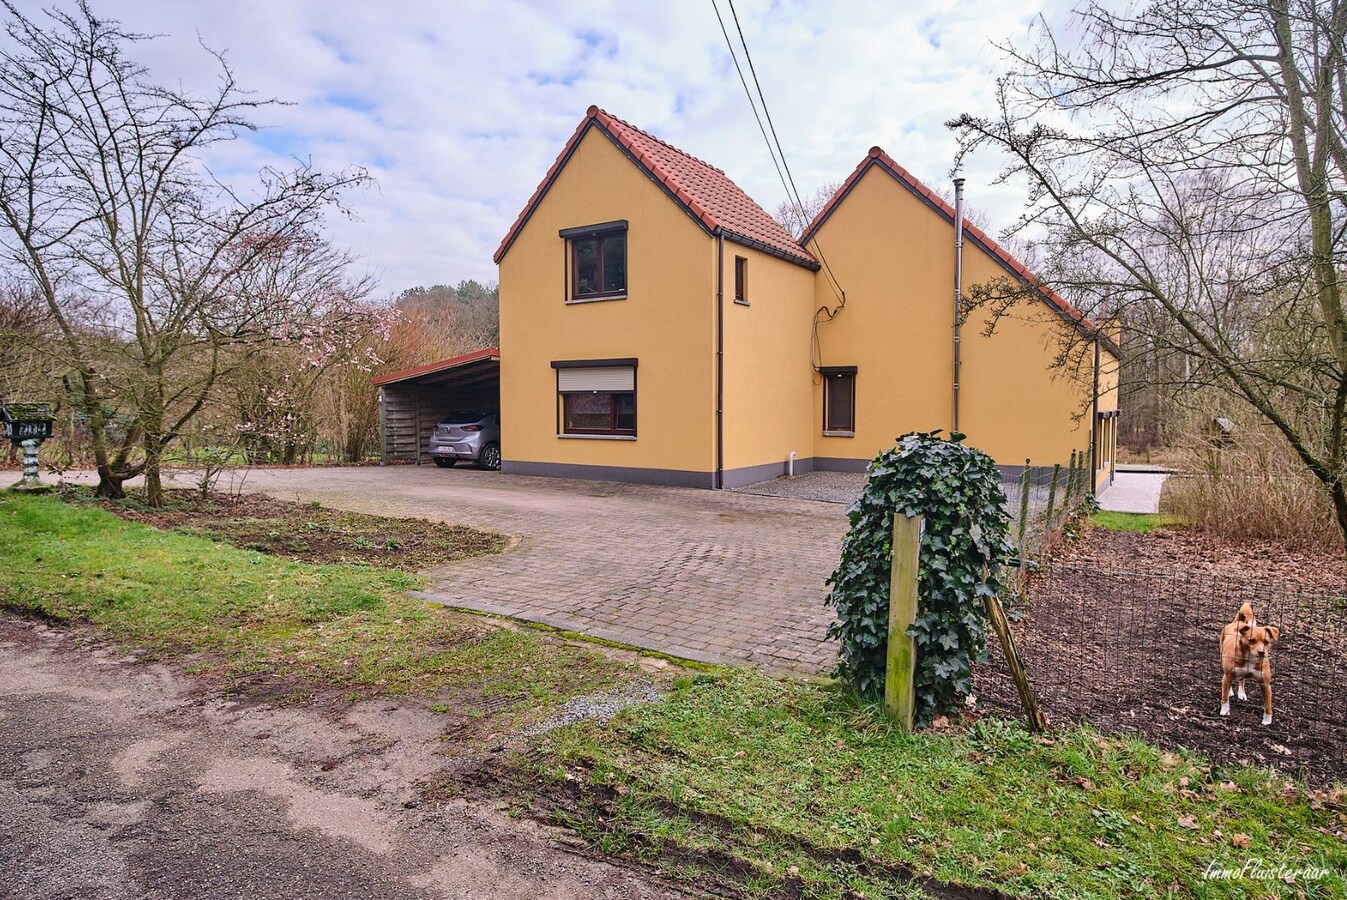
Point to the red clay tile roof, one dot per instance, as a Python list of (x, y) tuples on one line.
[(704, 191), (912, 183), (440, 366)]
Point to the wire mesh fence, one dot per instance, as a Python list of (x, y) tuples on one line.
[(1042, 499), (1140, 652)]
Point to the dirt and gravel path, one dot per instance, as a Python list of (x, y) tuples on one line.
[(122, 778)]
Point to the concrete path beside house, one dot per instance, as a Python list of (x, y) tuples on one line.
[(705, 575), (1133, 492)]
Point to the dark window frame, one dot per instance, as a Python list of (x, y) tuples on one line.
[(625, 362), (834, 375), (612, 430), (741, 280), (598, 235)]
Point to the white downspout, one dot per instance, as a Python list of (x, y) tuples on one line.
[(790, 465)]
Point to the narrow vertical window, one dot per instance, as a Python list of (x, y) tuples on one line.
[(839, 400), (741, 280)]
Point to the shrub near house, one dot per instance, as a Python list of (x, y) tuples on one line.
[(965, 544)]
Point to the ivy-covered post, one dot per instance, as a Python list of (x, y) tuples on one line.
[(965, 548), (900, 671)]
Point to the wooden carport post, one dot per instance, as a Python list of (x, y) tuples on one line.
[(900, 671)]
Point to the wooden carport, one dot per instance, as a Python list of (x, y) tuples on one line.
[(413, 400)]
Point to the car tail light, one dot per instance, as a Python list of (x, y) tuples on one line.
[(472, 427)]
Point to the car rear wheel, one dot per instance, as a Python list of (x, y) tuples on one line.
[(490, 458), (445, 463)]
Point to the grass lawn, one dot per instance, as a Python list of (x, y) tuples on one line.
[(791, 787), (820, 797), (1139, 523), (245, 612)]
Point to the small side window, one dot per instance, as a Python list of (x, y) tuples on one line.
[(839, 401), (741, 280)]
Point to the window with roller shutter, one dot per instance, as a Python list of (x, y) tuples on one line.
[(596, 398)]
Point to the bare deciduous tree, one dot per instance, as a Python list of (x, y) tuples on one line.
[(1187, 166), (147, 264), (796, 220)]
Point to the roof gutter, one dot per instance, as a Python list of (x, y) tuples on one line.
[(768, 249)]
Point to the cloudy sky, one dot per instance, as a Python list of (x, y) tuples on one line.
[(457, 108)]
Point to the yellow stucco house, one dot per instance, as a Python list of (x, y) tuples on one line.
[(657, 325)]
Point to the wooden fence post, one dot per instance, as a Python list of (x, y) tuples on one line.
[(1073, 483), (900, 671), (1052, 499), (1038, 723), (1025, 478)]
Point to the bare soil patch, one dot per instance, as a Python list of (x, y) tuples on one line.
[(1122, 630), (1186, 550), (308, 532)]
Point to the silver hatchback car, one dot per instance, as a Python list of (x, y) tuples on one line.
[(467, 434)]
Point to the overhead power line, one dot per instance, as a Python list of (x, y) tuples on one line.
[(778, 156), (792, 191)]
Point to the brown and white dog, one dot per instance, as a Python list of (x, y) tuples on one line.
[(1246, 652)]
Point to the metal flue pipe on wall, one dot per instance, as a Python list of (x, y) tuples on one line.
[(958, 294)]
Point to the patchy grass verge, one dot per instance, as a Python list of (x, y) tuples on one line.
[(256, 619), (1136, 523), (795, 790)]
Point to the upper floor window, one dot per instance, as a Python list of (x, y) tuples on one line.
[(597, 258), (740, 280)]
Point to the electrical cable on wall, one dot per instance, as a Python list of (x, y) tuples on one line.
[(783, 172)]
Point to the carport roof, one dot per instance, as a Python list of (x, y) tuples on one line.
[(486, 358)]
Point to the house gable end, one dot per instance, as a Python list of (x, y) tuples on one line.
[(553, 173), (702, 191), (877, 158)]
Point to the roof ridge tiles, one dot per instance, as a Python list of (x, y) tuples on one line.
[(594, 111)]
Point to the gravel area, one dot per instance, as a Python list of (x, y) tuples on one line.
[(598, 707), (828, 487), (846, 487)]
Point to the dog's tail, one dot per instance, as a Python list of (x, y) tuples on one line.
[(1246, 615)]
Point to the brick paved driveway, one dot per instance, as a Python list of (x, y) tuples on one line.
[(706, 575)]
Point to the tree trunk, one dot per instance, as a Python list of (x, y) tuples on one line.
[(110, 485), (1338, 491), (154, 488)]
